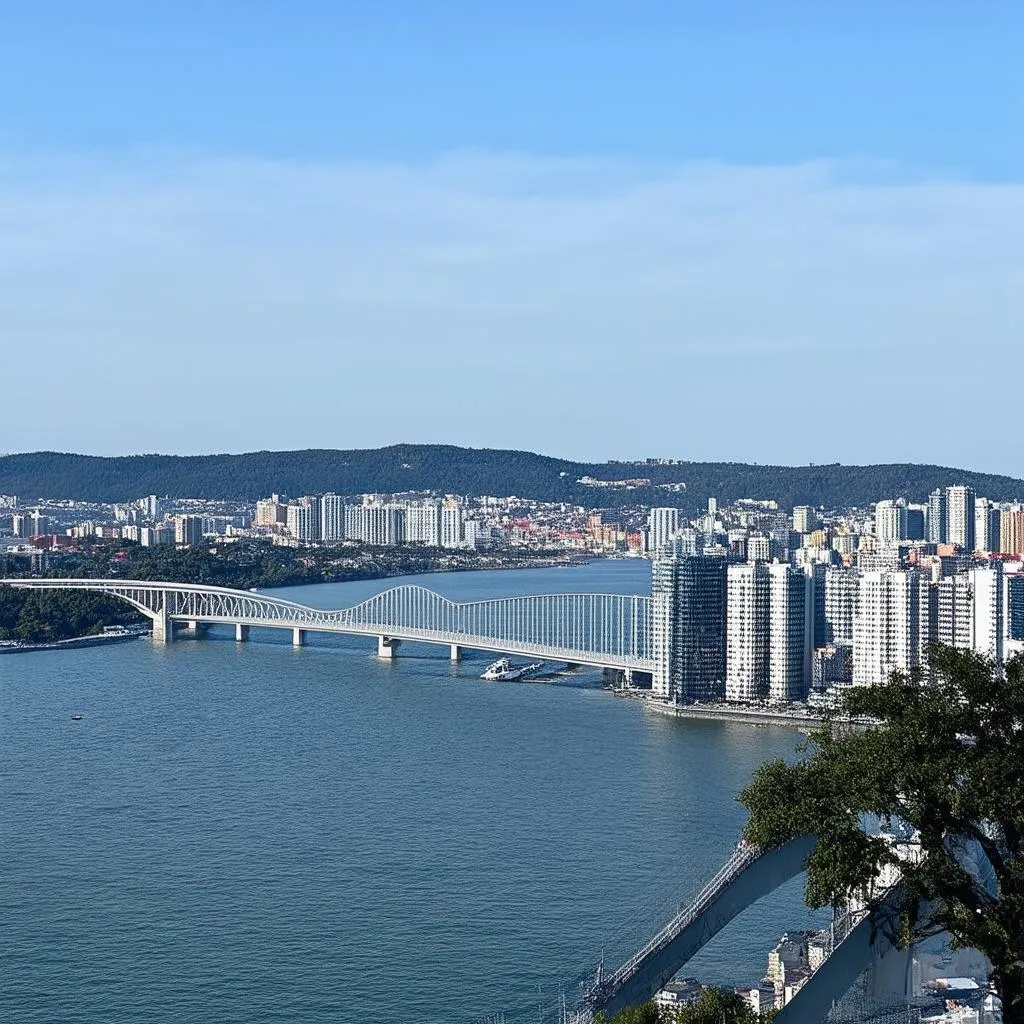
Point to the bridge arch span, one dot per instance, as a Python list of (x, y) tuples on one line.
[(606, 630)]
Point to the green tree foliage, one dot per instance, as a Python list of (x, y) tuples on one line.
[(715, 1006), (42, 616), (448, 469), (946, 759), (647, 1013)]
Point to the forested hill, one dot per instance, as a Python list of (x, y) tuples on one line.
[(472, 471)]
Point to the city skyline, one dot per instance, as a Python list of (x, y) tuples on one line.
[(325, 217)]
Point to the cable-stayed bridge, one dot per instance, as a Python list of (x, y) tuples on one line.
[(604, 630)]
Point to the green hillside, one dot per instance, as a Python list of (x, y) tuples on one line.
[(472, 471)]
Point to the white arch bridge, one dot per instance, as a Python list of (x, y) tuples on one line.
[(604, 630)]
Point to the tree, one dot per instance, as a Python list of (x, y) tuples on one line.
[(646, 1013), (945, 759), (715, 1006)]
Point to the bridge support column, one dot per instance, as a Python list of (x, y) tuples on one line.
[(196, 629), (298, 638), (386, 647), (163, 628), (456, 652), (241, 632)]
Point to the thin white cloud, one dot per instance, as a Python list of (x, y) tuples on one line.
[(585, 307)]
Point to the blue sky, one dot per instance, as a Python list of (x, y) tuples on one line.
[(767, 232)]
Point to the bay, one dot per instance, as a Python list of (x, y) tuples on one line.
[(251, 832)]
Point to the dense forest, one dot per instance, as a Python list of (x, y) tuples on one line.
[(454, 470), (42, 616)]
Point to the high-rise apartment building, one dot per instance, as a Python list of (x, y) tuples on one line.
[(791, 610), (986, 525), (816, 573), (1013, 606), (332, 517), (151, 509), (1011, 531), (423, 523), (960, 516), (747, 632), (271, 512), (891, 628), (842, 587), (688, 627), (890, 522), (804, 519), (937, 516), (953, 620), (769, 625), (379, 525), (988, 628), (476, 534), (971, 611), (662, 526), (188, 530), (451, 525), (303, 521), (759, 548), (917, 518)]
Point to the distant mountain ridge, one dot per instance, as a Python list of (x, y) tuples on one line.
[(449, 469)]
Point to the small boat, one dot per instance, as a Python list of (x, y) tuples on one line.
[(499, 670), (77, 718), (504, 671)]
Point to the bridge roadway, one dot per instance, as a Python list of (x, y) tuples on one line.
[(746, 876), (603, 630)]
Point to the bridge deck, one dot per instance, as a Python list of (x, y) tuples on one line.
[(746, 876), (606, 630)]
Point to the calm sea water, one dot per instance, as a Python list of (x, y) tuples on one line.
[(254, 833)]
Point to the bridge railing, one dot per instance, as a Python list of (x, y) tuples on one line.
[(610, 626), (737, 863)]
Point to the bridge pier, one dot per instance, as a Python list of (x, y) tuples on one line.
[(456, 652), (241, 633), (196, 629), (163, 628), (386, 647), (298, 637)]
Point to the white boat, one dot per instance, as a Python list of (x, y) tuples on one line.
[(504, 671), (500, 669)]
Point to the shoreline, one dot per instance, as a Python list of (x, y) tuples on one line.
[(72, 643), (744, 715)]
